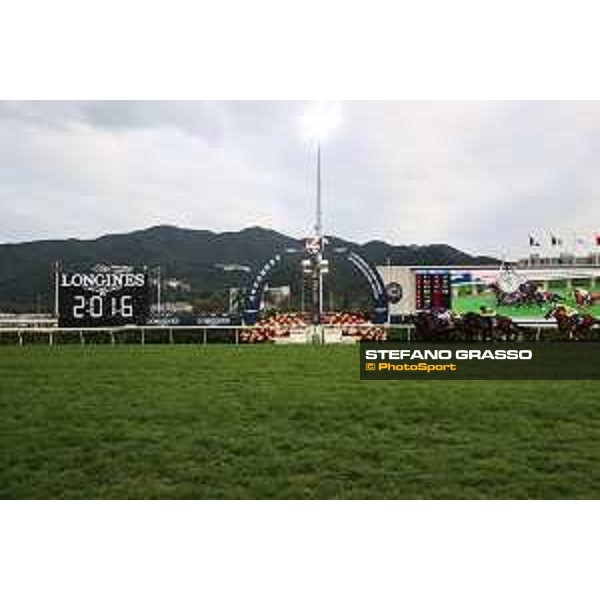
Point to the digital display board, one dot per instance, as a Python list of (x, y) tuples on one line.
[(105, 296), (433, 289)]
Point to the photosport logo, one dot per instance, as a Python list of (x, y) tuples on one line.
[(508, 361)]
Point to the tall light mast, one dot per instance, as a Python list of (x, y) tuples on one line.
[(318, 123), (318, 260), (319, 216)]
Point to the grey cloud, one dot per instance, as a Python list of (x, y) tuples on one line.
[(479, 175)]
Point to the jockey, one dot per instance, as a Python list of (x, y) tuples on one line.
[(444, 316), (572, 312), (485, 311), (568, 310), (583, 294)]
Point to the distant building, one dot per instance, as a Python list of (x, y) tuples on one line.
[(563, 259), (173, 307), (234, 267), (177, 285)]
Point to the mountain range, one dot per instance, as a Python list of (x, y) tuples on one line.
[(207, 262)]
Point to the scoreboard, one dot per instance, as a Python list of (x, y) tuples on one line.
[(432, 289), (105, 296)]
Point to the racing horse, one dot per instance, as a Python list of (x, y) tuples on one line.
[(436, 326), (473, 327), (551, 297), (585, 298), (526, 294), (504, 328), (519, 297), (476, 327), (571, 327)]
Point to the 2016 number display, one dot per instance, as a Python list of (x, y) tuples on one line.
[(97, 307), (104, 297)]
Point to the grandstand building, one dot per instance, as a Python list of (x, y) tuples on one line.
[(563, 259)]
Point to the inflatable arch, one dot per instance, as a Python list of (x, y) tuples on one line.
[(378, 292)]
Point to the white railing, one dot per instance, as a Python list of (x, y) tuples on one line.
[(141, 332), (25, 321)]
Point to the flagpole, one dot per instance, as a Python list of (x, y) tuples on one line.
[(532, 244), (56, 288)]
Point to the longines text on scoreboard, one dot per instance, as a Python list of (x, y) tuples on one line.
[(106, 296)]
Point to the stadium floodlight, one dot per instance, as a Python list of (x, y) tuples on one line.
[(321, 120)]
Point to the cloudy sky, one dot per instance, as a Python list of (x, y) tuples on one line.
[(477, 175)]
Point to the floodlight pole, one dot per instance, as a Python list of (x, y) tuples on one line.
[(317, 276), (319, 217), (158, 290), (320, 228)]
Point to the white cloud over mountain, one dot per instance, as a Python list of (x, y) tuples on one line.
[(477, 175)]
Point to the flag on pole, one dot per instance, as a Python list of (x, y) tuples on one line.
[(580, 244)]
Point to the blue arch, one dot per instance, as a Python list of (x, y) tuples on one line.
[(259, 281), (257, 289), (378, 291)]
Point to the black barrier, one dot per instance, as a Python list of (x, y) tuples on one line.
[(175, 319), (480, 361)]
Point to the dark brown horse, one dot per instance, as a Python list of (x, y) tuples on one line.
[(476, 327), (430, 328), (504, 328), (572, 327), (585, 298)]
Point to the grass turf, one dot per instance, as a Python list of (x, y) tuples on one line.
[(281, 422)]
